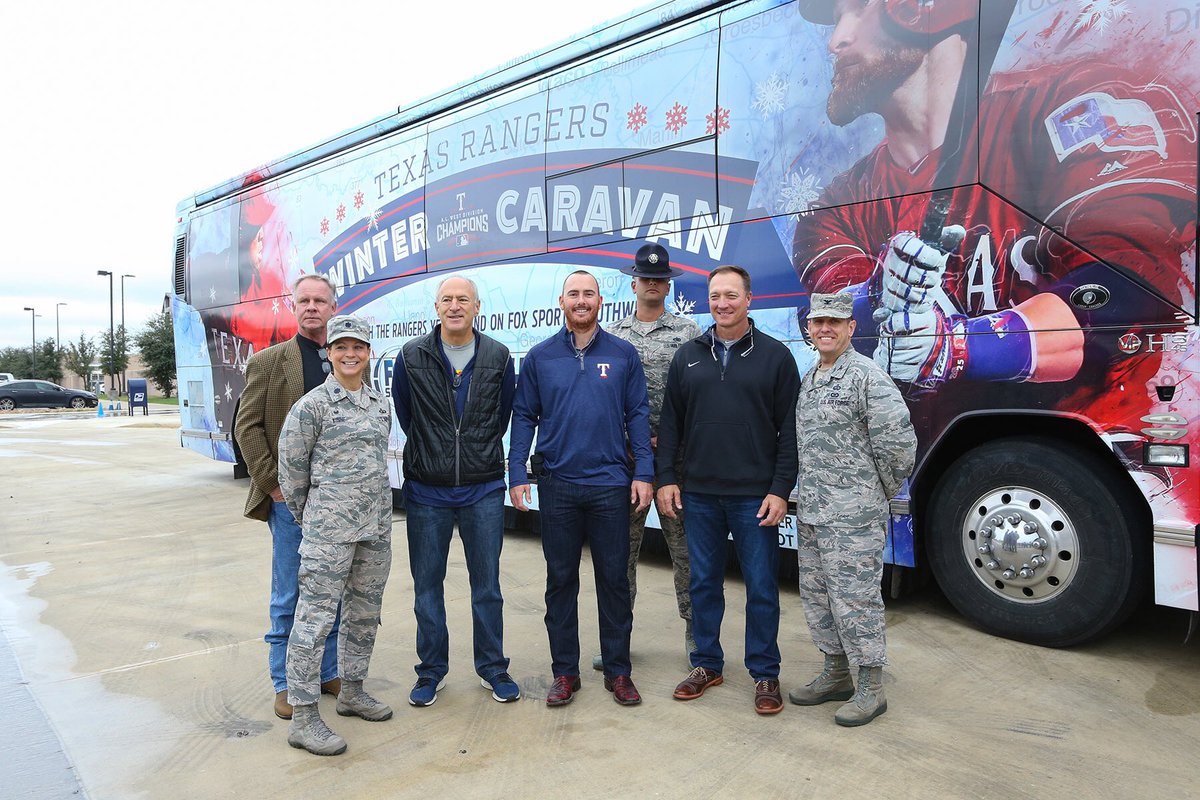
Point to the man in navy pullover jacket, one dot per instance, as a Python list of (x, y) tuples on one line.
[(585, 392), (730, 405)]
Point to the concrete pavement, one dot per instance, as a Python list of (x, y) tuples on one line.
[(133, 602)]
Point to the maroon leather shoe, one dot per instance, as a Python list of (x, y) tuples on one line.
[(767, 697), (563, 691), (624, 692), (699, 679)]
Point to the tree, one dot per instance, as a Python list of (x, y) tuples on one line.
[(80, 356), (156, 345), (49, 361), (16, 361), (108, 364)]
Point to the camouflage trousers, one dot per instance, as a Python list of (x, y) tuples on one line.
[(355, 575), (672, 531), (840, 574)]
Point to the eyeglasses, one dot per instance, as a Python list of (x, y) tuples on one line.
[(325, 365)]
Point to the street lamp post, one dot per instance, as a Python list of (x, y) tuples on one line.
[(112, 334), (33, 346), (124, 330), (57, 328)]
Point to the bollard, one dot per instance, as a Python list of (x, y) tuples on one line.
[(100, 409), (110, 406), (118, 405)]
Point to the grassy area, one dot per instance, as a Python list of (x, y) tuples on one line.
[(158, 401)]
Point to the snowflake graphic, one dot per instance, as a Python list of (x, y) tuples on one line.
[(228, 392), (717, 122), (275, 306), (681, 305), (1098, 15), (341, 213), (799, 192), (769, 95), (358, 199), (242, 368), (373, 218), (325, 226), (212, 294), (676, 118), (637, 117)]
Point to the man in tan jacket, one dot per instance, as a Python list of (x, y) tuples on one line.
[(275, 379)]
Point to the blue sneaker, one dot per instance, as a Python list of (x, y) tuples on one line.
[(424, 691), (504, 688)]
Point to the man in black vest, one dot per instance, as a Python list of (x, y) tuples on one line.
[(453, 391)]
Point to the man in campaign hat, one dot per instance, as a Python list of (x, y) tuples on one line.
[(856, 446), (656, 334)]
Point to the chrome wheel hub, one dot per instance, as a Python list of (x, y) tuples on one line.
[(1020, 544)]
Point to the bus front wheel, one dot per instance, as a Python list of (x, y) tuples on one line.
[(1030, 540)]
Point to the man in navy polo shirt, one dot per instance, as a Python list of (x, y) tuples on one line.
[(453, 392), (585, 392)]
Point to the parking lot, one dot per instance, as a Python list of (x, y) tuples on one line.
[(133, 602)]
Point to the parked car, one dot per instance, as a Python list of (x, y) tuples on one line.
[(5, 377), (43, 394)]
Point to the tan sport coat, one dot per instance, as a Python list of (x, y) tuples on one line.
[(274, 382)]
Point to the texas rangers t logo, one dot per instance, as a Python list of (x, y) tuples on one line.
[(603, 369)]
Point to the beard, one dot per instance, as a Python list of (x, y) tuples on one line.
[(862, 88)]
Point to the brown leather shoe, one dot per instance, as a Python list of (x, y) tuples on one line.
[(283, 709), (699, 679), (563, 691), (333, 687), (624, 692), (767, 698)]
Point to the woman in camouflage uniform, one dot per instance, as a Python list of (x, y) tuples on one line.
[(333, 474)]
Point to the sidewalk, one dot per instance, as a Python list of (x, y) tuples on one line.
[(139, 645)]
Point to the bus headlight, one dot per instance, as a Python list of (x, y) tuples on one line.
[(1165, 455)]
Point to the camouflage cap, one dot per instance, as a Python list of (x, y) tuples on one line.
[(834, 306), (347, 327)]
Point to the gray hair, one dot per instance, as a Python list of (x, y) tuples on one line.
[(471, 283), (315, 276)]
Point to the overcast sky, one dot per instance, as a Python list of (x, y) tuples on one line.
[(114, 112)]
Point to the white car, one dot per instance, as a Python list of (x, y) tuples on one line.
[(5, 377)]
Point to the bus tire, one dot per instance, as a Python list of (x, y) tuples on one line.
[(1032, 540)]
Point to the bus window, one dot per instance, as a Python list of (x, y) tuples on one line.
[(622, 105), (212, 240), (492, 152)]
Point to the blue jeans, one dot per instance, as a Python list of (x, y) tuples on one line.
[(569, 514), (285, 592), (710, 518), (481, 528)]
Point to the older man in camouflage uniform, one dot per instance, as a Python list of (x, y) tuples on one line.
[(656, 334), (333, 474), (856, 447)]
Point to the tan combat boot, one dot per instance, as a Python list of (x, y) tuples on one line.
[(353, 701), (833, 683), (868, 701), (309, 732)]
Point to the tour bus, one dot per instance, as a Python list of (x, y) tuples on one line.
[(1041, 156)]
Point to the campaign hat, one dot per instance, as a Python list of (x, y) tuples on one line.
[(347, 327), (652, 261), (834, 306)]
